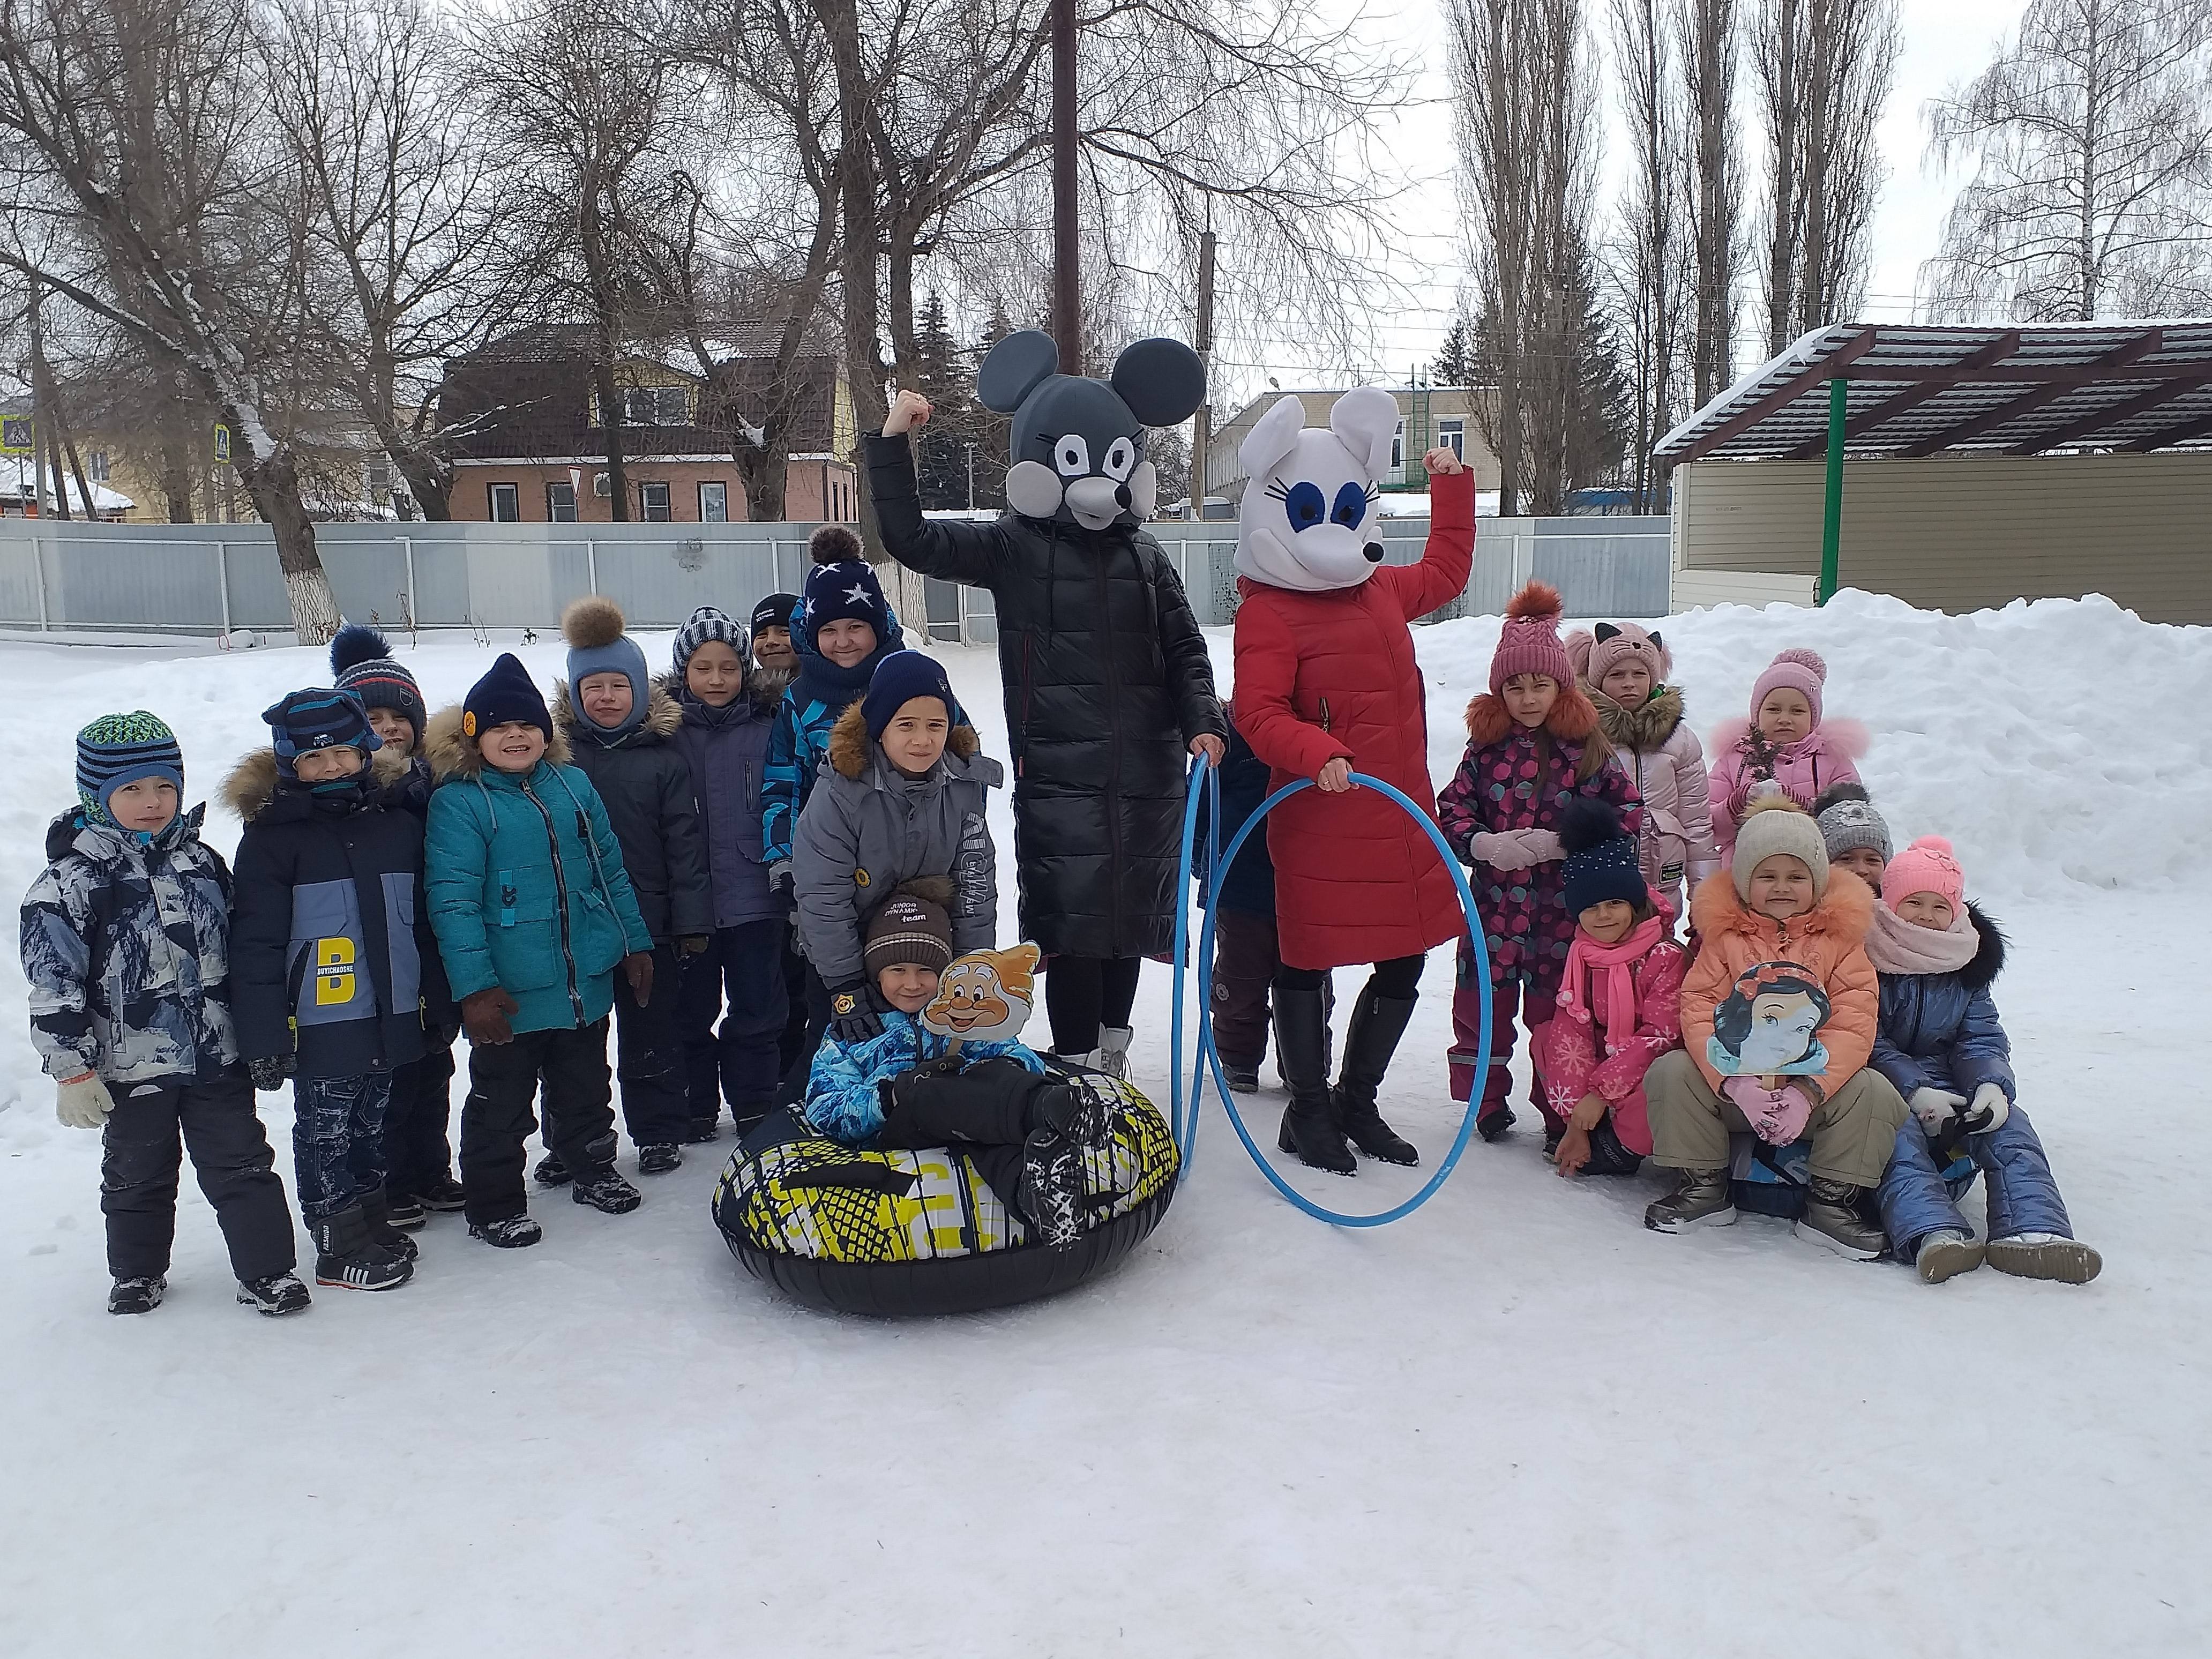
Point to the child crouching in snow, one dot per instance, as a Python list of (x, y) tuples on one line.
[(1940, 1044), (1533, 745), (126, 949), (1786, 747), (908, 1086), (1619, 1002)]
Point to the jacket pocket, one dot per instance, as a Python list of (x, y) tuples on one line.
[(520, 933), (599, 942)]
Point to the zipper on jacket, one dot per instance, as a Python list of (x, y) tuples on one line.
[(1029, 692), (1113, 744), (560, 898)]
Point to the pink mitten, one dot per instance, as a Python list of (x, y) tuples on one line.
[(1500, 851), (1776, 1116), (1542, 846)]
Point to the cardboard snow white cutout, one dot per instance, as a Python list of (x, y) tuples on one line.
[(1768, 1026), (1109, 689)]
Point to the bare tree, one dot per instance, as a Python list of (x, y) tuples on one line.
[(1652, 270), (140, 189), (2089, 142), (1497, 97), (1708, 56)]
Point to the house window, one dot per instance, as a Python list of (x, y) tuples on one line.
[(1452, 435), (653, 502), (714, 503), (376, 479), (95, 465), (560, 502), (656, 405), (1398, 447), (506, 503)]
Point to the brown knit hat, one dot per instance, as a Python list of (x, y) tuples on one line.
[(907, 929)]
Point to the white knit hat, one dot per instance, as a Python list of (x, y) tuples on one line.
[(1775, 823)]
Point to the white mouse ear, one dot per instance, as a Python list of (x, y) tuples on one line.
[(1365, 420), (1273, 436)]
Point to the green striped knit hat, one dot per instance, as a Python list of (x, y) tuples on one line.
[(119, 748)]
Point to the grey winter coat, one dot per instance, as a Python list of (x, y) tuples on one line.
[(126, 946), (645, 784), (726, 749), (866, 828)]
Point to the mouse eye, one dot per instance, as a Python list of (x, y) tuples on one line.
[(1121, 460), (1072, 455), (1351, 505), (1304, 504)]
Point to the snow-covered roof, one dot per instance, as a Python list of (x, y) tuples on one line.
[(104, 499), (1996, 388)]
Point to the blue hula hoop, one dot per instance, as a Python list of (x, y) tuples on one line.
[(1184, 1123)]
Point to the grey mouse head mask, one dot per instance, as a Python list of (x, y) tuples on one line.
[(1078, 454)]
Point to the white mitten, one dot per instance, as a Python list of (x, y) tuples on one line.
[(1935, 1107), (1990, 1108), (1501, 851), (83, 1102), (1542, 846)]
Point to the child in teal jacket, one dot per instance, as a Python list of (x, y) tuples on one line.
[(534, 912)]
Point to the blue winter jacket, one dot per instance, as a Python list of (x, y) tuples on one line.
[(525, 884), (727, 749), (1940, 1030), (1243, 779), (844, 1100), (800, 736)]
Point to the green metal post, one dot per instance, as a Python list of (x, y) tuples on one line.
[(1832, 516)]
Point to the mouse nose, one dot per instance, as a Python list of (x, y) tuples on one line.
[(1373, 552), (1121, 495)]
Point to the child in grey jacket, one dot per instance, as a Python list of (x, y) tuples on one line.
[(902, 798)]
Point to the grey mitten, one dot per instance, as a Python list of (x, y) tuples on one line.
[(84, 1103)]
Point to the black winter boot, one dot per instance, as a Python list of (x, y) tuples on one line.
[(1377, 1023), (1052, 1187), (347, 1257), (383, 1232), (1700, 1199), (444, 1194), (136, 1296), (1081, 1108), (276, 1296), (1310, 1126), (1608, 1155)]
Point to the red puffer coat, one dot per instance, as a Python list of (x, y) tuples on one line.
[(1329, 674)]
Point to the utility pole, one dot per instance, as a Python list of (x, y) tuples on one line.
[(1202, 428), (1067, 290)]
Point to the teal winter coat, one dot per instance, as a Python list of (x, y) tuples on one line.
[(524, 882)]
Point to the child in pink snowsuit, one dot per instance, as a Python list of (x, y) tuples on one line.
[(1619, 1002), (1533, 745), (1786, 745)]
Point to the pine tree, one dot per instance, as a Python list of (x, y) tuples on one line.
[(1454, 363), (941, 448), (990, 433)]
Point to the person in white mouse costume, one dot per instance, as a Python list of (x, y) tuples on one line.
[(1326, 685)]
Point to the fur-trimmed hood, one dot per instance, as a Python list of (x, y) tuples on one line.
[(663, 714), (1573, 718), (1843, 913), (1989, 960), (1641, 729), (452, 756), (252, 783), (851, 748), (1849, 739)]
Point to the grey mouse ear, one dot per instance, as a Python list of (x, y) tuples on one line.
[(1014, 368), (1161, 381)]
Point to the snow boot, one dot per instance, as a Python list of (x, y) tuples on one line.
[(1700, 1199), (347, 1257), (512, 1232), (404, 1210), (1945, 1255), (703, 1130), (1114, 1051), (442, 1195), (1092, 1060), (1081, 1110), (550, 1171), (276, 1296), (383, 1232), (1052, 1189), (1310, 1126), (1608, 1155), (1377, 1023), (131, 1295), (1831, 1220), (660, 1158), (1241, 1079), (607, 1192), (2046, 1256)]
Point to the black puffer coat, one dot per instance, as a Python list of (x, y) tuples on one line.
[(645, 783), (1107, 683)]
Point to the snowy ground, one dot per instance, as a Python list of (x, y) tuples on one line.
[(1514, 1424)]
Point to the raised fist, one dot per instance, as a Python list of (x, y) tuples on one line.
[(1442, 461), (909, 410)]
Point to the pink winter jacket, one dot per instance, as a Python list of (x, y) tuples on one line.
[(1573, 1058), (1655, 746), (1819, 761)]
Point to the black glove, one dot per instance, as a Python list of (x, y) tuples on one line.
[(270, 1071), (693, 944), (856, 1013)]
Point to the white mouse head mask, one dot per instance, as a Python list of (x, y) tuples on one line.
[(1309, 515)]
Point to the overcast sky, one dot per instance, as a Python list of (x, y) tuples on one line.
[(1945, 41)]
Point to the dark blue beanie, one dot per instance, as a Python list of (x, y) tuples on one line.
[(504, 693), (1601, 857), (320, 717), (899, 678), (840, 587)]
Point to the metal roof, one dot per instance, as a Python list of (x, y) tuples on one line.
[(2003, 389)]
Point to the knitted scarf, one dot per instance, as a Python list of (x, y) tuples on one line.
[(1895, 945), (1617, 963)]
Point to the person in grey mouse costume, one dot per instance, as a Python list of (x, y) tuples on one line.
[(1108, 688)]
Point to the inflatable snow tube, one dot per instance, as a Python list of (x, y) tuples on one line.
[(922, 1232)]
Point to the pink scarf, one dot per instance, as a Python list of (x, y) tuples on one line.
[(1617, 962), (1895, 945)]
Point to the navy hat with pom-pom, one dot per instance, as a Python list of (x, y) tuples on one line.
[(362, 660), (1602, 862)]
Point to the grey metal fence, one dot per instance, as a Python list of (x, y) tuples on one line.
[(219, 578)]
